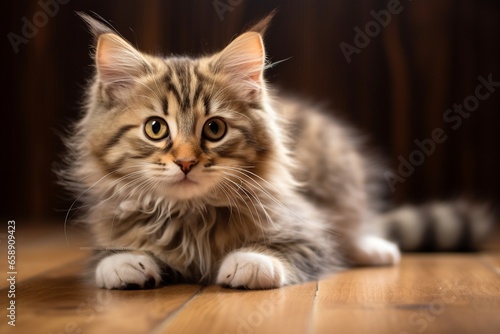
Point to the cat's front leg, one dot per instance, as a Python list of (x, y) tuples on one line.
[(127, 270), (252, 269)]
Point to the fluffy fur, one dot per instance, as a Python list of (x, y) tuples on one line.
[(282, 195)]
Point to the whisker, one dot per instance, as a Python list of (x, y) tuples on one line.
[(258, 186), (243, 200), (255, 198)]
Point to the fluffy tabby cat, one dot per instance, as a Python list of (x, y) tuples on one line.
[(190, 170)]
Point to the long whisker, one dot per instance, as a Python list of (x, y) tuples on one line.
[(77, 199), (254, 184), (254, 197), (110, 186), (236, 191), (238, 187), (227, 186)]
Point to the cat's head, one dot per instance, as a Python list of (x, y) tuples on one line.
[(177, 127)]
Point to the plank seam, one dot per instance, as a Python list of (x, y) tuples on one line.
[(164, 323)]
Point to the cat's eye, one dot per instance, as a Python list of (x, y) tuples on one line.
[(156, 128), (214, 129)]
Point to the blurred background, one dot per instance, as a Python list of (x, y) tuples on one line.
[(391, 68)]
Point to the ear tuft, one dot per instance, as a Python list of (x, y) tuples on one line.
[(97, 28), (262, 25)]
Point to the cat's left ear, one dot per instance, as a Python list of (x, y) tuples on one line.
[(243, 61)]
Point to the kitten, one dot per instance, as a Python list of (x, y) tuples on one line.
[(190, 170)]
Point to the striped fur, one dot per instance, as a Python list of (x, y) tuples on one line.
[(284, 195), (437, 226)]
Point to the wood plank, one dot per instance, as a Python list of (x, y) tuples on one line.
[(492, 261), (443, 293), (220, 310), (419, 320), (491, 252), (42, 247), (435, 293), (61, 302)]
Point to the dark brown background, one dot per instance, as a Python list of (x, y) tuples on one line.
[(396, 89)]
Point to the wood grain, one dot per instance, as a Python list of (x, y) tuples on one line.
[(426, 293), (219, 310), (61, 302)]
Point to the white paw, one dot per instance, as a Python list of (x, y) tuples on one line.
[(251, 270), (127, 271), (375, 251)]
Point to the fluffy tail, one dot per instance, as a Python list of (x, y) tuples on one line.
[(438, 226)]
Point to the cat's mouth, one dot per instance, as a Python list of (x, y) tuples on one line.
[(186, 181)]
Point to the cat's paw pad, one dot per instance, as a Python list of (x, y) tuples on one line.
[(375, 251), (127, 271), (251, 270)]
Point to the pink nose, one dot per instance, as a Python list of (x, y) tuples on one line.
[(185, 166)]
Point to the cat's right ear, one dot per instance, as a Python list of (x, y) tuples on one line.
[(117, 62)]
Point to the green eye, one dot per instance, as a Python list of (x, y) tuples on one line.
[(214, 129), (156, 128)]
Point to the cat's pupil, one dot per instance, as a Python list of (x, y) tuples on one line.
[(156, 127), (214, 127)]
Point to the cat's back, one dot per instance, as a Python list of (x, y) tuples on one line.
[(315, 132), (330, 154)]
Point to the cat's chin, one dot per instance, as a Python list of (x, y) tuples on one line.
[(186, 189)]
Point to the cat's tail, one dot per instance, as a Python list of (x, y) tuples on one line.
[(438, 226)]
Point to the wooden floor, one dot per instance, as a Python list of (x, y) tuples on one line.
[(427, 293)]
